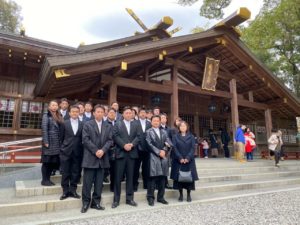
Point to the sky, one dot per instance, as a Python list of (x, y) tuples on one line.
[(71, 22)]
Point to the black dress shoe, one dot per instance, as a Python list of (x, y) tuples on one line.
[(151, 202), (163, 201), (115, 205), (52, 183), (74, 195), (131, 202), (105, 180), (64, 196), (46, 183), (97, 206), (84, 208)]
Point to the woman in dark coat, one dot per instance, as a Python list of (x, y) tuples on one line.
[(51, 142), (184, 147)]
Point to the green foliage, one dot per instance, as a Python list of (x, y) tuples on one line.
[(211, 9), (274, 36), (10, 18)]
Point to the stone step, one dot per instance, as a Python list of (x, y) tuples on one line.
[(75, 217), (34, 188), (224, 162), (51, 203)]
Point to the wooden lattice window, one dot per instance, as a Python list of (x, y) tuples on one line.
[(32, 113), (7, 106)]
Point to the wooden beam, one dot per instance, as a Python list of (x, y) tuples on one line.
[(198, 90), (183, 65), (253, 88), (255, 105), (142, 85), (234, 106), (174, 96), (268, 120)]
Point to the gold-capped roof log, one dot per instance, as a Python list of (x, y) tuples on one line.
[(236, 18)]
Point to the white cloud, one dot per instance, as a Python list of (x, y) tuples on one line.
[(69, 22)]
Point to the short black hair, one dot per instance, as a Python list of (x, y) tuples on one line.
[(88, 103), (127, 108), (114, 103), (164, 114), (74, 107), (80, 103), (64, 100), (99, 106), (155, 116), (110, 108), (143, 109)]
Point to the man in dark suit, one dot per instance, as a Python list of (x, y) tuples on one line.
[(115, 106), (88, 108), (111, 119), (126, 138), (64, 105), (143, 125), (71, 154), (164, 126), (97, 140)]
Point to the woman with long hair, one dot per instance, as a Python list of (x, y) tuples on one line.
[(51, 141)]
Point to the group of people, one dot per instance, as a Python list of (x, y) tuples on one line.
[(217, 141), (245, 144), (102, 143)]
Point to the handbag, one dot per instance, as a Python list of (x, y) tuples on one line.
[(185, 176)]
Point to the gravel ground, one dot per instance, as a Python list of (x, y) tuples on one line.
[(281, 208)]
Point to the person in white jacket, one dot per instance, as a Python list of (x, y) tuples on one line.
[(275, 143)]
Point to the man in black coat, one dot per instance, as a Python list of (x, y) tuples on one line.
[(71, 154), (143, 125), (158, 145), (97, 140), (164, 126), (115, 106), (111, 119), (64, 105), (126, 138)]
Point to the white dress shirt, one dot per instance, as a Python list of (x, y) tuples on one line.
[(127, 124), (63, 112), (80, 117), (99, 125), (143, 123), (74, 124), (88, 114), (157, 131)]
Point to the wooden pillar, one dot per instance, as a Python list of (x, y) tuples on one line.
[(112, 93), (174, 96), (250, 94), (268, 119), (147, 74), (234, 106)]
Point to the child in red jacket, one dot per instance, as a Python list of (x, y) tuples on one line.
[(249, 146)]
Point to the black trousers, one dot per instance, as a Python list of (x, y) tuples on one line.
[(71, 172), (226, 151), (90, 177), (111, 173), (47, 169), (277, 156), (124, 166), (144, 161), (158, 182)]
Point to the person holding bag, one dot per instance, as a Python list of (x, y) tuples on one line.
[(275, 143), (184, 172)]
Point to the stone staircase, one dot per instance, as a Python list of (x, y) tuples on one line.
[(31, 203)]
